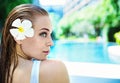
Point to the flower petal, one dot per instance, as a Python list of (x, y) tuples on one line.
[(20, 36), (29, 32), (16, 23), (14, 32), (26, 24)]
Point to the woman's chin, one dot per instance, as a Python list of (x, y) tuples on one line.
[(43, 59)]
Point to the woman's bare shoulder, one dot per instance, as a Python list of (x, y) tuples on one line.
[(51, 65), (54, 63), (53, 71)]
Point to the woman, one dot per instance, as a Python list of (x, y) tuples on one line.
[(26, 41)]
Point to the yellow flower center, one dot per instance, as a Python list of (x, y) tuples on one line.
[(20, 29)]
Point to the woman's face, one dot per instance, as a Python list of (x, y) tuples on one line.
[(38, 46)]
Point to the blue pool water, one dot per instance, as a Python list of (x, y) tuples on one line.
[(83, 79), (81, 52)]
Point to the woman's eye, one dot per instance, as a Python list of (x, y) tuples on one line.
[(43, 34)]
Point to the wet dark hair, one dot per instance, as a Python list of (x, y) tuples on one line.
[(8, 44)]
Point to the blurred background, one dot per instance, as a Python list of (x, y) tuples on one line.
[(82, 31), (81, 20), (77, 23)]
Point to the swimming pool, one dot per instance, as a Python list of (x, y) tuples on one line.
[(87, 62), (81, 52)]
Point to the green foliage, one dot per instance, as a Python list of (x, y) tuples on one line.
[(76, 24), (117, 34), (6, 6), (117, 37), (105, 14), (108, 13)]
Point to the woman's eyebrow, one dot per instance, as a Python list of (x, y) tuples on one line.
[(45, 29)]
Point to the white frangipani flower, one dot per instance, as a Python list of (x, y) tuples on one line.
[(24, 29)]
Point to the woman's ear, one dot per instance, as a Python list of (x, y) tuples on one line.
[(18, 41)]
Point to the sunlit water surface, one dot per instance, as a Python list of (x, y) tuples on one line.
[(81, 51)]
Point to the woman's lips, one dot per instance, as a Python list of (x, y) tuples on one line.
[(46, 52)]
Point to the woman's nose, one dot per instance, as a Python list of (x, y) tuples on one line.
[(50, 42)]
